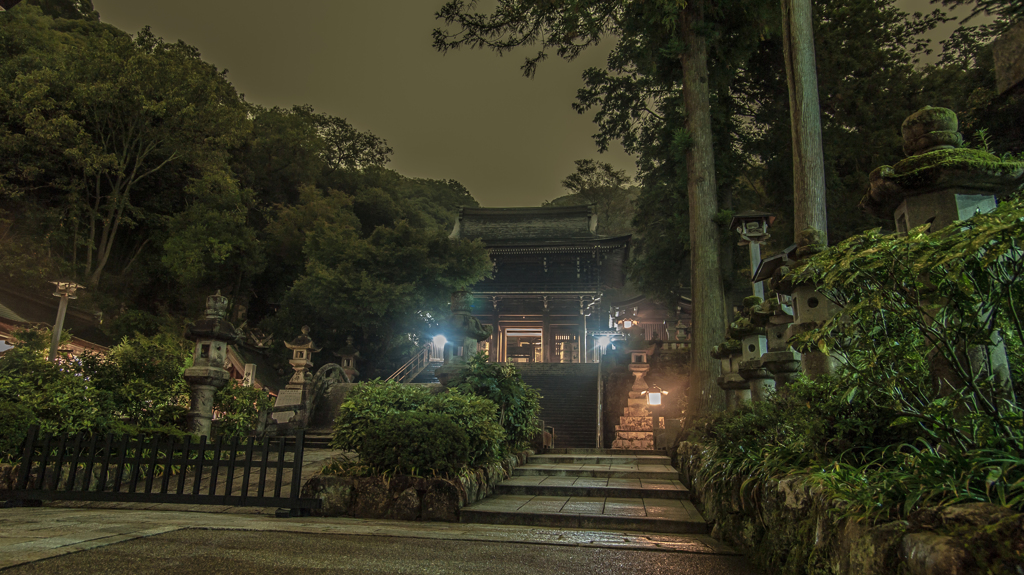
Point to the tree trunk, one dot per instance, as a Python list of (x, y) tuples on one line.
[(705, 397), (805, 118)]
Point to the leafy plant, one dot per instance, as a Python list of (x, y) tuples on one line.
[(239, 407), (15, 419), (369, 402), (478, 417), (415, 442), (518, 403)]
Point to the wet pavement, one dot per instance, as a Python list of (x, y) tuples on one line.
[(215, 552), (70, 540)]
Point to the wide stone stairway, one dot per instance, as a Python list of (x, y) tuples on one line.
[(592, 489), (568, 400)]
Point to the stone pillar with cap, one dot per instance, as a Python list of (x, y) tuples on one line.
[(754, 344), (348, 356), (290, 406), (937, 184), (737, 390), (810, 308), (212, 335), (464, 332)]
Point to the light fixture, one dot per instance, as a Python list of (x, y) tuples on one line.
[(440, 340), (653, 393), (627, 321)]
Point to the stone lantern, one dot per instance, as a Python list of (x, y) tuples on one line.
[(752, 226), (296, 393), (810, 309), (636, 426), (754, 345), (212, 335), (775, 315), (736, 388), (939, 182), (463, 333), (348, 356), (65, 291)]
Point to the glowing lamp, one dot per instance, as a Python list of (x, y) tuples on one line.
[(440, 340), (654, 394), (627, 321)]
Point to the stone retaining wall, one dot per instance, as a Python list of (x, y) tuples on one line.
[(407, 498), (788, 526)]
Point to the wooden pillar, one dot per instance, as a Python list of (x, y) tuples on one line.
[(494, 355), (547, 338), (583, 338)]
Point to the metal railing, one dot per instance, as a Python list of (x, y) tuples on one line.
[(430, 352)]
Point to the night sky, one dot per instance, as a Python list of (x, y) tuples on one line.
[(469, 116)]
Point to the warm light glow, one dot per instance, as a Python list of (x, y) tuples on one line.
[(440, 340), (654, 398), (627, 323)]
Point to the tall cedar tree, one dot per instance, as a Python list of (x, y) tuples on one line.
[(663, 47)]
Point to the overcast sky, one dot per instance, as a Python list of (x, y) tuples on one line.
[(469, 116)]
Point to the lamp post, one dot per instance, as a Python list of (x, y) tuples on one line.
[(65, 291), (753, 229)]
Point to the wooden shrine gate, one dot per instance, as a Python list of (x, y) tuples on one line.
[(139, 470)]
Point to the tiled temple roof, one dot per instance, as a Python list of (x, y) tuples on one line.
[(533, 226)]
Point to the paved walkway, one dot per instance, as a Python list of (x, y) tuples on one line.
[(224, 552), (33, 534)]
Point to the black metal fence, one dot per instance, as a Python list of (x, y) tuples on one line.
[(153, 470)]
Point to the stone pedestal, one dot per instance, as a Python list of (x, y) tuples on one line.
[(297, 393), (212, 335), (636, 427)]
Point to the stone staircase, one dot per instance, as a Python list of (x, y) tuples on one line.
[(592, 489), (427, 375), (569, 400)]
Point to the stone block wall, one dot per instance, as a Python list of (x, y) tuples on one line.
[(406, 498), (789, 527)]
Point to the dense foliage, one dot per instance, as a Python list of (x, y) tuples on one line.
[(138, 387), (417, 443), (491, 405), (919, 411), (132, 165), (518, 404)]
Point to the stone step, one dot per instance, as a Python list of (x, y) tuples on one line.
[(642, 471), (592, 487), (598, 458), (605, 451), (640, 514)]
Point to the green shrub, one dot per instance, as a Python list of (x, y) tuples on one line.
[(369, 402), (478, 417), (891, 431), (518, 403), (416, 442), (15, 419), (239, 407)]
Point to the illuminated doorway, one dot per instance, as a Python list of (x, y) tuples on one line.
[(524, 344)]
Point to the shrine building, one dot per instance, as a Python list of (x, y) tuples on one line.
[(552, 270)]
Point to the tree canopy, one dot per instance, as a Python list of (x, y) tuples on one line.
[(132, 165)]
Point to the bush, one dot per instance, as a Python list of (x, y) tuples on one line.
[(478, 417), (370, 402), (15, 419), (239, 408), (518, 403), (414, 442)]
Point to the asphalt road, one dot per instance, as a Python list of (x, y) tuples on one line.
[(207, 552)]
